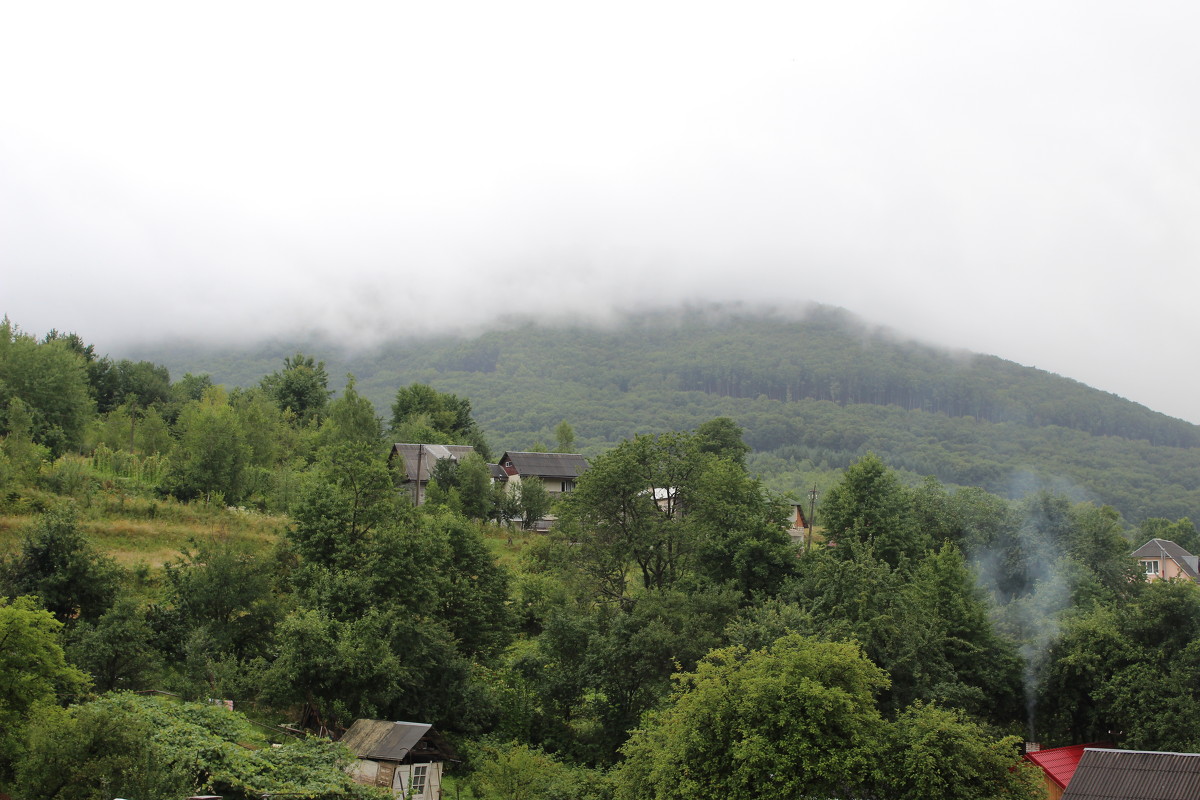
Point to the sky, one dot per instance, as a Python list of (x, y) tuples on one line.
[(1017, 178)]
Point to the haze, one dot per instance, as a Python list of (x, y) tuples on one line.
[(1015, 178)]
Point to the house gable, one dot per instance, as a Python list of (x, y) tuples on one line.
[(1162, 558), (419, 461)]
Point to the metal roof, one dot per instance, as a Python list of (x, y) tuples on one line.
[(381, 740), (1135, 775), (1165, 548), (1060, 763), (412, 455), (545, 465)]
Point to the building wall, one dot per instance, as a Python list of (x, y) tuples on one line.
[(553, 485), (369, 772), (1167, 568), (405, 773)]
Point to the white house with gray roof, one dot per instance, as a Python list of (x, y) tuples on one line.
[(556, 471)]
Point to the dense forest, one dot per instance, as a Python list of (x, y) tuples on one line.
[(170, 540), (813, 393)]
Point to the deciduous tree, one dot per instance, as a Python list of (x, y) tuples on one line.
[(302, 387), (57, 563), (33, 670), (797, 719), (870, 505)]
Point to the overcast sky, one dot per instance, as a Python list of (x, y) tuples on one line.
[(1019, 178)]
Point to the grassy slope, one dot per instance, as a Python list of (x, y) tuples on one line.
[(137, 531)]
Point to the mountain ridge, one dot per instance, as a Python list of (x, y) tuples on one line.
[(812, 392)]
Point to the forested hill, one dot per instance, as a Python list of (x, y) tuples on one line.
[(812, 393)]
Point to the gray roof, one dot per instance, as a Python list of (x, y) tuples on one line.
[(382, 740), (1165, 548), (544, 465), (411, 453), (1135, 775)]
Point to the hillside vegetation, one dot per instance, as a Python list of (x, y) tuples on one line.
[(812, 394), (255, 545)]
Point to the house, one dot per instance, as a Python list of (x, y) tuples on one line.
[(1058, 765), (557, 471), (1162, 558), (668, 500), (797, 523), (419, 461), (405, 757), (1135, 775)]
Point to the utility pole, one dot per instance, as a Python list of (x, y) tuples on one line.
[(417, 491), (812, 515)]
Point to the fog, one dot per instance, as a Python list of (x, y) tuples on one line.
[(1019, 178)]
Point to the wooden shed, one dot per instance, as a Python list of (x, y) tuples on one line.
[(405, 757)]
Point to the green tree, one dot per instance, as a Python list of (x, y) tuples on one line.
[(535, 501), (33, 670), (351, 495), (634, 654), (797, 719), (464, 486), (122, 744), (23, 454), (382, 664), (118, 650), (138, 383), (629, 507), (870, 505), (740, 531), (965, 663), (938, 752), (1132, 669), (302, 387), (190, 387), (435, 418), (225, 594), (722, 437), (50, 378), (211, 453), (475, 488), (351, 419), (58, 564), (153, 435), (516, 771), (564, 437), (672, 510)]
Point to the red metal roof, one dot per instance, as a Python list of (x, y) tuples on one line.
[(1060, 763)]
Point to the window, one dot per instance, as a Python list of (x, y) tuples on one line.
[(1151, 567), (419, 775)]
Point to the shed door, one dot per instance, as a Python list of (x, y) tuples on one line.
[(387, 771)]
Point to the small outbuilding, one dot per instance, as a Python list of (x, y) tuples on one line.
[(405, 757)]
